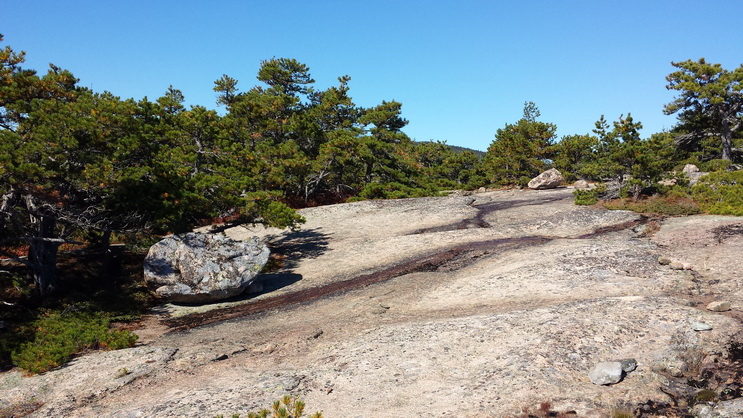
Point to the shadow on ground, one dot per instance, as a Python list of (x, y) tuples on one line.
[(292, 247)]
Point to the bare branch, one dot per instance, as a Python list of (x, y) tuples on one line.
[(15, 258)]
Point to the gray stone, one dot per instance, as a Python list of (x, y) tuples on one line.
[(547, 180), (198, 268), (606, 373), (628, 365), (701, 326), (695, 176), (676, 265), (718, 306), (662, 260), (724, 409)]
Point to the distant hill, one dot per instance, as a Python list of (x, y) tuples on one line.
[(459, 149)]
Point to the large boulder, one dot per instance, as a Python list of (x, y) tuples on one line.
[(198, 268), (547, 180)]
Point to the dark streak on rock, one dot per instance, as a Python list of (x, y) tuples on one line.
[(429, 262), (483, 210), (448, 260)]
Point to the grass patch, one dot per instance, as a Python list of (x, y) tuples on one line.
[(657, 205)]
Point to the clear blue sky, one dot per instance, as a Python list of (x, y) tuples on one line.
[(462, 69)]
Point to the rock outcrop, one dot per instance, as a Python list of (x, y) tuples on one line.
[(693, 174), (199, 268), (391, 304), (547, 180)]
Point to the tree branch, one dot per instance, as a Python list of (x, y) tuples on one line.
[(15, 258)]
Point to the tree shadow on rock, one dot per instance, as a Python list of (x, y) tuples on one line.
[(295, 246), (275, 281)]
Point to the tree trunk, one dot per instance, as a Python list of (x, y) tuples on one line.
[(42, 254), (727, 142), (107, 255), (42, 251)]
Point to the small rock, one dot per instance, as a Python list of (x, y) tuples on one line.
[(220, 358), (675, 265), (690, 168), (688, 266), (628, 365), (701, 326), (581, 184), (718, 306), (695, 177), (482, 190), (379, 310), (662, 260), (606, 373), (730, 408), (703, 411)]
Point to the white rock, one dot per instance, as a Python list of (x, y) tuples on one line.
[(690, 168), (606, 373), (701, 326)]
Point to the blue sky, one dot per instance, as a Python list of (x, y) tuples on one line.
[(462, 69)]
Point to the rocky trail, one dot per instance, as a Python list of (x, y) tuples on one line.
[(473, 306)]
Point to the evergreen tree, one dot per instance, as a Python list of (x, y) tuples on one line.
[(520, 151), (710, 104)]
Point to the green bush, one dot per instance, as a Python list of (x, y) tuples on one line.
[(715, 165), (586, 197), (57, 336), (720, 193), (391, 191), (671, 206), (287, 407)]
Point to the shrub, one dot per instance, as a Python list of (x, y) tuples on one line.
[(287, 407), (391, 191), (720, 193), (715, 165), (586, 197), (57, 336), (660, 205)]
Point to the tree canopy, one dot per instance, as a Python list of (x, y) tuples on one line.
[(76, 163), (709, 104)]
